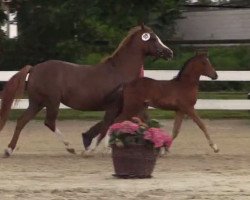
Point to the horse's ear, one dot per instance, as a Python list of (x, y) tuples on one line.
[(142, 26)]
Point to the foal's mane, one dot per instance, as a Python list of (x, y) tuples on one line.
[(125, 41), (178, 76)]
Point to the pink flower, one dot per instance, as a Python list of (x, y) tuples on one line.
[(124, 127), (158, 137)]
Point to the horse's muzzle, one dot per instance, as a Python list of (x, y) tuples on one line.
[(165, 53)]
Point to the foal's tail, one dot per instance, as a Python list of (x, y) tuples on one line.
[(14, 88)]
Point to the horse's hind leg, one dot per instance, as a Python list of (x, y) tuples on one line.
[(198, 121), (29, 114), (177, 123), (50, 122)]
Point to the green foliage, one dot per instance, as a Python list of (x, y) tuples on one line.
[(222, 95), (68, 114), (223, 58), (75, 30), (11, 57), (2, 18), (91, 58), (2, 15)]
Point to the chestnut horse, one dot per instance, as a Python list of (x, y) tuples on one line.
[(86, 88), (178, 94)]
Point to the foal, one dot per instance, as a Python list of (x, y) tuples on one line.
[(178, 94)]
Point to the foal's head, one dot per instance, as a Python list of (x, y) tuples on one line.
[(202, 63), (150, 43), (197, 66)]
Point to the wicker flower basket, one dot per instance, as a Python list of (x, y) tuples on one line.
[(134, 161)]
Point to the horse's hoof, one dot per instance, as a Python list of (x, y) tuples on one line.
[(86, 140), (216, 150), (71, 150), (7, 153), (87, 154)]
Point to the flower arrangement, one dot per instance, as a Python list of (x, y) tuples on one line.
[(138, 133)]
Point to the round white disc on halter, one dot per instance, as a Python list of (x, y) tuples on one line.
[(145, 36)]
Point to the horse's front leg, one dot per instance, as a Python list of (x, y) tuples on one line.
[(114, 102), (197, 120), (100, 129), (88, 136), (109, 119)]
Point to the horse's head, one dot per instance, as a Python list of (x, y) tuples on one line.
[(152, 44), (205, 66)]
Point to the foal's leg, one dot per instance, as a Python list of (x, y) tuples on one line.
[(30, 113), (176, 128), (177, 123), (50, 122), (197, 120)]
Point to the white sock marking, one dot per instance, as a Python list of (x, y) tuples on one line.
[(8, 151), (61, 137), (106, 140), (93, 145), (161, 43)]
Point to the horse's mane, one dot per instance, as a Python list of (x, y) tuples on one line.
[(178, 76), (125, 41)]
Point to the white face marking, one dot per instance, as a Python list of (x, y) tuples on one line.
[(161, 43), (145, 36), (159, 40)]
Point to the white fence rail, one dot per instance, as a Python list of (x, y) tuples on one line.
[(168, 74), (223, 75), (202, 104)]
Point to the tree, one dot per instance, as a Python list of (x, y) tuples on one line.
[(72, 29), (2, 18)]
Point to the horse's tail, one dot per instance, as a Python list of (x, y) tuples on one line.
[(14, 88)]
